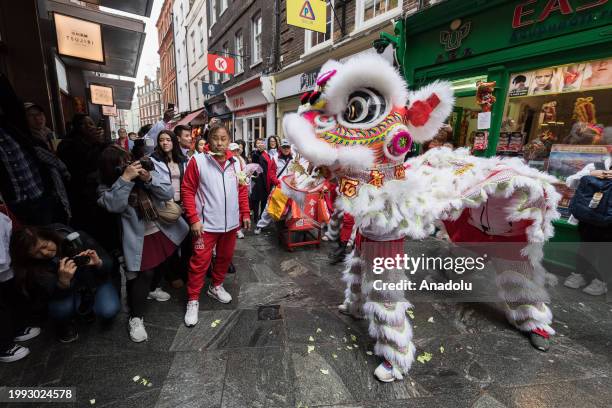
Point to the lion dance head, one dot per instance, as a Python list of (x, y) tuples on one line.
[(361, 116)]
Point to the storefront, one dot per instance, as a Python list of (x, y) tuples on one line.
[(551, 63), (218, 109), (249, 107), (289, 91)]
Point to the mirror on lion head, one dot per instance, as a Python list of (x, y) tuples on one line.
[(361, 114)]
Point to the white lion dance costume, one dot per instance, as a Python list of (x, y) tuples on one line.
[(359, 123)]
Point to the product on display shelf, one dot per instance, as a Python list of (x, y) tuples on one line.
[(539, 148), (484, 95), (358, 124), (481, 140)]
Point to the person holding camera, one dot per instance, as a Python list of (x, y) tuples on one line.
[(170, 164), (135, 191), (70, 280)]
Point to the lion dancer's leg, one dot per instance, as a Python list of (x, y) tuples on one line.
[(386, 312), (353, 277), (339, 254), (521, 285)]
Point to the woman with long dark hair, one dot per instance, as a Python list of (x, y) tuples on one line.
[(170, 164), (273, 145), (135, 193), (69, 283)]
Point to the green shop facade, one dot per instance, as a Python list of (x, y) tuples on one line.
[(524, 46)]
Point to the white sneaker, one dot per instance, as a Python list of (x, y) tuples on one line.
[(191, 315), (219, 293), (240, 234), (138, 334), (574, 281), (13, 353), (159, 295), (257, 231), (386, 373), (596, 288), (27, 334)]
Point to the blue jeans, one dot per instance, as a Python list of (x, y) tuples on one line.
[(106, 305)]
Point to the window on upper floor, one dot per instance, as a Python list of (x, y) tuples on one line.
[(201, 35), (193, 47), (256, 35), (373, 11), (315, 39), (223, 5), (225, 52), (239, 50), (212, 12)]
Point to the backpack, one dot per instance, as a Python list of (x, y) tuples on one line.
[(580, 206)]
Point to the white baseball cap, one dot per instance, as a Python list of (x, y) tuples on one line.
[(234, 146)]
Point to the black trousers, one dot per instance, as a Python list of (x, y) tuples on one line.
[(14, 312), (594, 256)]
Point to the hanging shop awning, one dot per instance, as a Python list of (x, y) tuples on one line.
[(123, 91), (140, 7), (122, 38)]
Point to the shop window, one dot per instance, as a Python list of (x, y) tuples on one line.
[(372, 11), (239, 47), (256, 48), (559, 118), (201, 35), (315, 39)]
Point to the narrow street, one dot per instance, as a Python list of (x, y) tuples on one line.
[(281, 343)]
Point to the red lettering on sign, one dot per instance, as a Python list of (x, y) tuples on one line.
[(553, 5), (520, 12), (594, 4), (238, 102)]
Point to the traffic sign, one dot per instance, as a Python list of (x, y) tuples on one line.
[(308, 14), (217, 63)]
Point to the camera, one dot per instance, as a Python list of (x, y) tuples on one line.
[(81, 260), (145, 162)]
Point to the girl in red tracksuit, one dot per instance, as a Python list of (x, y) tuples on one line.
[(216, 205)]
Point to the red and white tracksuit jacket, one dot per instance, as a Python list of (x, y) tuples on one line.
[(212, 195)]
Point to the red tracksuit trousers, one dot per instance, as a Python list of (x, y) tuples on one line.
[(225, 242)]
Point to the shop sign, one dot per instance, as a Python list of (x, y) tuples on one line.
[(452, 40), (101, 95), (109, 110), (308, 14), (574, 15), (223, 65), (308, 80), (211, 89), (78, 38), (501, 27), (248, 99)]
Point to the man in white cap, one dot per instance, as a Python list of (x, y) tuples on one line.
[(283, 161)]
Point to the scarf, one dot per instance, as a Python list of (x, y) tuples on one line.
[(58, 172), (141, 201)]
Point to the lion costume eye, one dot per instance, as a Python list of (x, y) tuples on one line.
[(365, 107)]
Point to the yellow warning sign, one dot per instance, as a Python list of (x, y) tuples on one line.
[(308, 14)]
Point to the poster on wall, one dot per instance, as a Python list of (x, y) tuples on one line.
[(101, 95), (545, 81), (597, 74), (572, 77), (520, 83)]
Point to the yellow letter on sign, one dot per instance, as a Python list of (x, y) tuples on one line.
[(308, 14)]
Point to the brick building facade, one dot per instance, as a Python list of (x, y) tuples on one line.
[(165, 36), (244, 30)]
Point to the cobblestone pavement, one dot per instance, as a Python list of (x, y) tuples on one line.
[(245, 360)]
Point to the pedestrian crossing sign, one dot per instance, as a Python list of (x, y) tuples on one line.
[(308, 14)]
